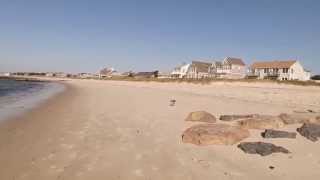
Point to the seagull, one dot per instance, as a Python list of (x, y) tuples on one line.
[(172, 102)]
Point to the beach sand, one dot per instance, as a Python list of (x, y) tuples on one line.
[(127, 130)]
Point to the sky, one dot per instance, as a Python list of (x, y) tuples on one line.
[(144, 35)]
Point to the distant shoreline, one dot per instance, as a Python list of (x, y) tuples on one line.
[(29, 79)]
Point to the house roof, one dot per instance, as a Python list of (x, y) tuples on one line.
[(273, 64), (107, 71), (146, 73), (201, 66), (234, 61)]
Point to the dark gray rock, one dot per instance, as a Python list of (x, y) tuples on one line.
[(310, 131), (237, 117), (261, 148), (270, 133)]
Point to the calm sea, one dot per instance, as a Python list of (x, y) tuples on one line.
[(19, 96)]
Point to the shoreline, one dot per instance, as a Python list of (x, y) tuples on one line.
[(22, 105)]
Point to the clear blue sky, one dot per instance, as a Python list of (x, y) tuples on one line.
[(83, 36)]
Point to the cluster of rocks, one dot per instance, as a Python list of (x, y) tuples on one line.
[(212, 133)]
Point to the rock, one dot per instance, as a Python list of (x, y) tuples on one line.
[(173, 102), (293, 119), (305, 111), (201, 116), (269, 133), (237, 117), (214, 134), (262, 122), (310, 131), (271, 167), (315, 120), (261, 148)]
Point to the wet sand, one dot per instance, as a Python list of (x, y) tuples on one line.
[(127, 130)]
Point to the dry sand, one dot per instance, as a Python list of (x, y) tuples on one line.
[(127, 130)]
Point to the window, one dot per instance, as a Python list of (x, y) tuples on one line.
[(265, 70), (285, 70), (292, 71)]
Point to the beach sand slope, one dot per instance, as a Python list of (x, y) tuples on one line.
[(128, 130)]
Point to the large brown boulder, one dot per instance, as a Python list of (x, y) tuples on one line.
[(237, 117), (262, 122), (261, 148), (201, 116), (310, 131), (214, 134)]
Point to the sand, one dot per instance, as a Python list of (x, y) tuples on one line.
[(127, 130)]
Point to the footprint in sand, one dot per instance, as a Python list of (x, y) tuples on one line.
[(138, 172), (138, 156)]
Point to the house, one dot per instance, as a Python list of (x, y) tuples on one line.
[(279, 70), (62, 75), (50, 74), (199, 70), (164, 75), (180, 71), (230, 68), (87, 75), (127, 74), (7, 74), (106, 72), (153, 74)]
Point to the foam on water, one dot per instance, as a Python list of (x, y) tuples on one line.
[(18, 97)]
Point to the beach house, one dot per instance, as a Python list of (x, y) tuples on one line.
[(180, 71), (279, 70), (106, 72), (5, 74), (229, 68), (199, 70), (153, 74)]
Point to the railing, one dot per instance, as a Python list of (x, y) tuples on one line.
[(264, 74)]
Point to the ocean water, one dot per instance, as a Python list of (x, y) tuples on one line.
[(17, 97)]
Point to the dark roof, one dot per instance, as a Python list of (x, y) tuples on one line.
[(273, 64), (153, 73), (234, 61), (201, 66)]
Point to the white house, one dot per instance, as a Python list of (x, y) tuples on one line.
[(279, 70), (7, 74), (231, 68), (106, 72), (199, 70), (180, 71)]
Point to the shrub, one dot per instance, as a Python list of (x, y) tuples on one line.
[(316, 77)]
